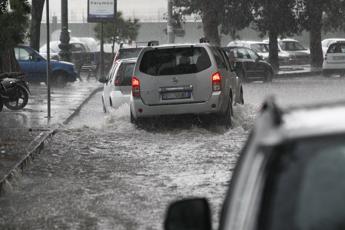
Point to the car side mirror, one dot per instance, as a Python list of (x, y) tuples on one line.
[(189, 214), (259, 58), (103, 80)]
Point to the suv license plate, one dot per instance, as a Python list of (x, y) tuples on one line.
[(176, 95)]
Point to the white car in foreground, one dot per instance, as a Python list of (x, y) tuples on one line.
[(118, 84), (334, 61)]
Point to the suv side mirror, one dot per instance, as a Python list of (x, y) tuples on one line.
[(189, 214)]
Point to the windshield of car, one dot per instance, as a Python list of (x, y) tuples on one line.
[(337, 48), (124, 74), (174, 61), (260, 47), (129, 53), (305, 190), (291, 46)]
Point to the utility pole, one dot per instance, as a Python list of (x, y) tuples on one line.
[(170, 27), (48, 60), (65, 52), (102, 53)]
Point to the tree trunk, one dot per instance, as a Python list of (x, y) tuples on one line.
[(210, 21), (8, 62), (315, 37), (35, 28), (273, 50)]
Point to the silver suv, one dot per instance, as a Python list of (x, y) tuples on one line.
[(184, 79)]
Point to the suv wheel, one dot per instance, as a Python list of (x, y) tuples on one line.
[(132, 118), (104, 108), (241, 97), (226, 117)]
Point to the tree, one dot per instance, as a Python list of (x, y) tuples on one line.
[(35, 27), (237, 15), (13, 24), (210, 12), (278, 18), (120, 30), (318, 16)]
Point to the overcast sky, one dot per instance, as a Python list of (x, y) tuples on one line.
[(142, 9)]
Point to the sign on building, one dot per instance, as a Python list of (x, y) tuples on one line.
[(101, 10)]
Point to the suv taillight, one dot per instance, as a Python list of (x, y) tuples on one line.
[(117, 82), (216, 82), (135, 87)]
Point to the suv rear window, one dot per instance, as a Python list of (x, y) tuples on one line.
[(174, 61), (124, 74)]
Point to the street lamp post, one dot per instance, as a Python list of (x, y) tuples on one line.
[(170, 27), (65, 52)]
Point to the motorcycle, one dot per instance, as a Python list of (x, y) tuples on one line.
[(14, 91)]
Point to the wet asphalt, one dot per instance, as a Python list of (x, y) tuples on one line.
[(101, 172)]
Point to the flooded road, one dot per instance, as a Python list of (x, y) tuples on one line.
[(102, 172)]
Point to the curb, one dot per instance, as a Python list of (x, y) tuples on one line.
[(298, 74), (37, 145), (77, 110)]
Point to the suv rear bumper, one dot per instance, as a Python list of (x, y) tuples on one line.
[(139, 109)]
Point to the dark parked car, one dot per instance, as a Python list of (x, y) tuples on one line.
[(34, 67), (290, 175), (248, 64)]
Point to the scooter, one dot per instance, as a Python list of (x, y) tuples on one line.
[(14, 91)]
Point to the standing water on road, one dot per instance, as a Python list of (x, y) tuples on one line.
[(102, 172)]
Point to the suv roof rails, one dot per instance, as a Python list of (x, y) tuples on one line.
[(204, 40), (153, 43), (271, 106), (148, 43)]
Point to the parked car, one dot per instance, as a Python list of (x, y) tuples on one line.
[(126, 52), (76, 47), (184, 79), (292, 52), (248, 64), (34, 66), (327, 42), (118, 85), (334, 61), (262, 49), (289, 175)]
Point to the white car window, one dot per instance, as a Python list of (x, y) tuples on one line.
[(337, 48), (252, 54), (22, 54)]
